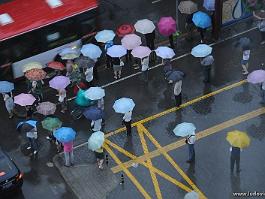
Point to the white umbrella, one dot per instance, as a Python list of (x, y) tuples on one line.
[(116, 51), (123, 105), (94, 93), (141, 52), (91, 50), (165, 52), (191, 195), (201, 50), (184, 129), (96, 140), (131, 41), (144, 26)]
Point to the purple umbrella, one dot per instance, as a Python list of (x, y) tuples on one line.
[(141, 52), (59, 82), (24, 99), (93, 113), (257, 76), (46, 108), (131, 41), (167, 26)]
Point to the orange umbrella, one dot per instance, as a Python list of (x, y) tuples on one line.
[(56, 65), (35, 74)]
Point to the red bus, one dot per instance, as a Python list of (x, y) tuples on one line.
[(37, 30)]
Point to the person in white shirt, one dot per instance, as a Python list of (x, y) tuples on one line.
[(207, 62), (101, 106), (261, 27), (145, 67), (96, 125), (127, 120), (244, 62), (190, 140), (32, 136), (177, 92), (62, 99)]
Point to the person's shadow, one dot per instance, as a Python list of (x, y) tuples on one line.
[(235, 184)]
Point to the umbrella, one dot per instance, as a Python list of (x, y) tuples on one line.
[(144, 26), (175, 76), (259, 14), (165, 52), (56, 65), (184, 129), (191, 195), (96, 140), (209, 5), (85, 62), (6, 87), (35, 74), (116, 51), (64, 134), (167, 26), (201, 20), (93, 113), (24, 99), (69, 53), (131, 41), (105, 36), (46, 108), (51, 123), (141, 52), (238, 139), (95, 93), (201, 50), (187, 7), (81, 100), (125, 29), (26, 126), (91, 50), (123, 105), (59, 82), (31, 65), (257, 76)]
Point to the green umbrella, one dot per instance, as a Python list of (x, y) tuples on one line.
[(51, 123)]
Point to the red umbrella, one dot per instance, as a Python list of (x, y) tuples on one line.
[(80, 85), (167, 26), (35, 74), (125, 29), (56, 65)]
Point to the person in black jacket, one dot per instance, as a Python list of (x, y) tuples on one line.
[(235, 159), (150, 42)]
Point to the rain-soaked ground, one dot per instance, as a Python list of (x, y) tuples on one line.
[(210, 173)]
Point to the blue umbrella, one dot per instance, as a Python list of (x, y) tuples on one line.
[(91, 50), (96, 140), (6, 87), (116, 51), (81, 100), (64, 134), (93, 113), (30, 122), (123, 105), (209, 5), (201, 20), (105, 36), (201, 50), (184, 129), (26, 126), (95, 93)]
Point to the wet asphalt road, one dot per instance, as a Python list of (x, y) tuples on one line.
[(42, 181)]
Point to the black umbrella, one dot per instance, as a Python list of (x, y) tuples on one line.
[(175, 76), (84, 62), (25, 127)]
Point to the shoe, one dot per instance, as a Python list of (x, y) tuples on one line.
[(245, 73), (188, 161), (48, 138), (29, 147), (62, 111), (67, 165), (115, 77), (263, 42), (35, 152), (136, 67)]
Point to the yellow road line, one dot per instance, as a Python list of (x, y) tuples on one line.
[(127, 172), (177, 108), (149, 164), (199, 135), (157, 171), (172, 162)]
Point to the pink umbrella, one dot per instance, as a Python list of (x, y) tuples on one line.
[(24, 99), (59, 82), (141, 52), (131, 41), (46, 108), (167, 26), (257, 76)]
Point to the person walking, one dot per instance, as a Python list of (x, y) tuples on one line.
[(145, 68), (69, 67), (117, 67), (9, 104), (36, 90), (99, 153), (202, 32), (177, 92), (89, 76), (261, 27), (190, 140), (32, 137), (96, 125), (127, 121), (206, 63), (108, 58), (245, 59), (29, 112), (189, 26), (100, 105), (150, 42), (62, 99), (235, 159), (68, 149)]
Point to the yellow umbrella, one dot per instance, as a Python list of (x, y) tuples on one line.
[(31, 65), (69, 56), (238, 139)]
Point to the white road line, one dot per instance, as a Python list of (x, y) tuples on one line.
[(156, 1)]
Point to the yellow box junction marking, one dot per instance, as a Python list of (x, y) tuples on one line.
[(177, 108)]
